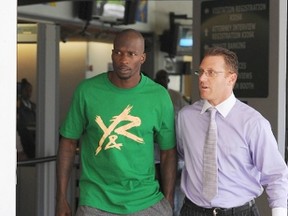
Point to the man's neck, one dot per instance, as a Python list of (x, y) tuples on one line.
[(124, 83)]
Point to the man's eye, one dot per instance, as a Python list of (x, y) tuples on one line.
[(201, 72), (210, 72), (117, 52), (132, 54)]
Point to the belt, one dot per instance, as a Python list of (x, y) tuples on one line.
[(219, 211)]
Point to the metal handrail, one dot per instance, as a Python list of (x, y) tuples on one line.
[(36, 161), (41, 159)]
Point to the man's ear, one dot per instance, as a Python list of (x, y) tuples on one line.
[(143, 58), (233, 78)]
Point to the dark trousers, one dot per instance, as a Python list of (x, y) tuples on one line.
[(191, 209)]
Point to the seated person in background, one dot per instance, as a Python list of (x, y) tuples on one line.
[(26, 118)]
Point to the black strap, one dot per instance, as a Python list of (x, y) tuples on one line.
[(220, 211)]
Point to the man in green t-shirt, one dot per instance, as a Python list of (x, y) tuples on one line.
[(117, 117)]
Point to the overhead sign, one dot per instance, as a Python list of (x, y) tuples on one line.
[(243, 27)]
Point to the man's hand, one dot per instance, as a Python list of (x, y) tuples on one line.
[(63, 208)]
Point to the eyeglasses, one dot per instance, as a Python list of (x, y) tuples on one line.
[(208, 73)]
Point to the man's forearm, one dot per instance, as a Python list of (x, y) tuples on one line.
[(168, 163), (65, 161)]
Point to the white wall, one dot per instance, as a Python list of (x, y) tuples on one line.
[(72, 71), (8, 109), (98, 57)]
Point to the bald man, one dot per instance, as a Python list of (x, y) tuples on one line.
[(118, 115)]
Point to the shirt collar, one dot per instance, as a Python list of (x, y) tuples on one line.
[(223, 108)]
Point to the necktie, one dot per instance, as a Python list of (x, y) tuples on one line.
[(210, 159)]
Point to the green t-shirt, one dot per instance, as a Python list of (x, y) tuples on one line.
[(118, 128)]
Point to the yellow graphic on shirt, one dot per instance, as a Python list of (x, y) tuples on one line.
[(122, 130)]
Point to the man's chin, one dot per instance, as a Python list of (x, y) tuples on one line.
[(123, 76), (203, 95)]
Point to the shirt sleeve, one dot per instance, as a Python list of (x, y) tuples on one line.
[(166, 135), (268, 160)]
